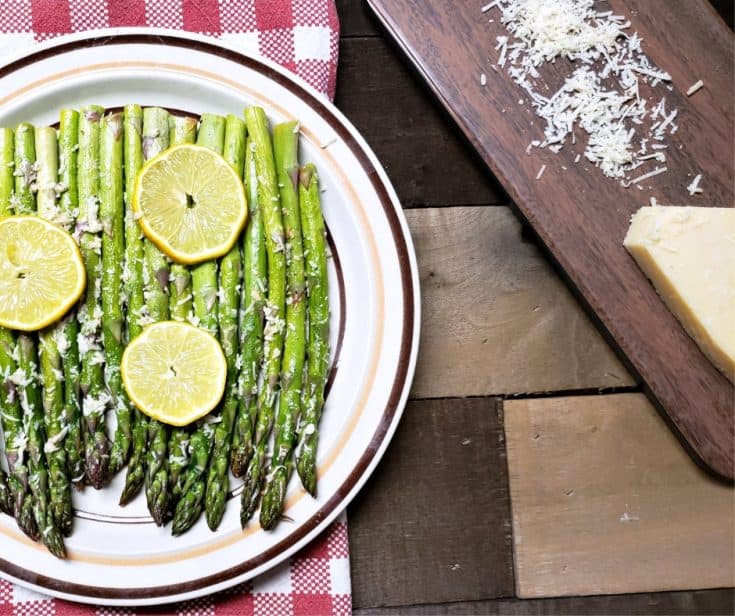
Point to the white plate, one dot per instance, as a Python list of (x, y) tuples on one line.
[(117, 555)]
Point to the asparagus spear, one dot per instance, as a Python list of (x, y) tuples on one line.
[(133, 280), (205, 288), (113, 253), (6, 500), (15, 438), (49, 347), (28, 390), (11, 416), (285, 146), (6, 497), (317, 285), (181, 130), (269, 199), (95, 397), (67, 342), (204, 276), (155, 291), (230, 273), (251, 322)]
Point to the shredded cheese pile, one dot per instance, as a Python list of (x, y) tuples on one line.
[(601, 95)]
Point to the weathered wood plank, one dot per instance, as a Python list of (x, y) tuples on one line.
[(605, 500), (496, 318), (355, 19), (433, 523), (427, 159), (725, 8), (701, 602)]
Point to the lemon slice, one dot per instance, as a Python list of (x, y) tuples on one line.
[(41, 273), (174, 372), (190, 203)]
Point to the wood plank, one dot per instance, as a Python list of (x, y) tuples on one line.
[(606, 501), (701, 602), (496, 318), (581, 216), (427, 160), (355, 19), (433, 522), (725, 8)]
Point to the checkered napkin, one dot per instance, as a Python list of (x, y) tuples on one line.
[(316, 582), (303, 36)]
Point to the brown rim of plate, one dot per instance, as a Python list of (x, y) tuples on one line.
[(339, 498)]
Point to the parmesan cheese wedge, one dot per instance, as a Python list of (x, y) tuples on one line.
[(689, 255)]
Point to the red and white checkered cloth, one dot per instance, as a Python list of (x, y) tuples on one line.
[(303, 36), (316, 582)]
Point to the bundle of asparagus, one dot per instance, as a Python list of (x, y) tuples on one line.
[(266, 300)]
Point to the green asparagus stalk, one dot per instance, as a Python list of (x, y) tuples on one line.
[(133, 281), (11, 415), (317, 286), (181, 130), (229, 309), (6, 497), (32, 405), (15, 438), (6, 500), (270, 202), (285, 147), (50, 340), (68, 344), (28, 390), (204, 276), (205, 288), (255, 286), (112, 216), (95, 397), (155, 285)]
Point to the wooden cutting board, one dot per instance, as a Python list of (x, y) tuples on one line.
[(579, 214)]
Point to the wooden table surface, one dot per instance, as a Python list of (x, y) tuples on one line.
[(529, 475)]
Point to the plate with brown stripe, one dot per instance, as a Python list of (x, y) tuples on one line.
[(117, 555)]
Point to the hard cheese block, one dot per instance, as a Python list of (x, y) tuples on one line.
[(689, 255)]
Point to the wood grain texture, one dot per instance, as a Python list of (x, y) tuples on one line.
[(428, 161), (720, 602), (581, 216), (433, 522), (605, 501), (496, 319), (355, 19)]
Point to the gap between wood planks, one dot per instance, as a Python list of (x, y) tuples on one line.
[(702, 602), (562, 393)]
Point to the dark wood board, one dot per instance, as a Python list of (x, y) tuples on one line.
[(416, 144), (580, 215), (433, 523), (719, 602)]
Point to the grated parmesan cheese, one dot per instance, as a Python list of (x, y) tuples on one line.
[(601, 94), (694, 188), (696, 87)]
